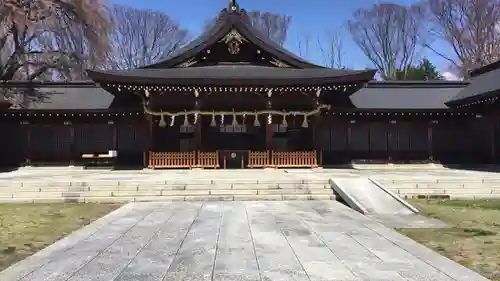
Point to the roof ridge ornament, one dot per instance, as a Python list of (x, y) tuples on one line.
[(233, 6)]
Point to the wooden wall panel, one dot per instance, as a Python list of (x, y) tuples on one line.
[(94, 138), (400, 137), (13, 144), (462, 141), (338, 136), (419, 140), (132, 138), (166, 139), (51, 143), (378, 137), (322, 135), (360, 137), (475, 141)]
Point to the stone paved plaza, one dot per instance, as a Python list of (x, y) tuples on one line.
[(312, 240), (61, 174)]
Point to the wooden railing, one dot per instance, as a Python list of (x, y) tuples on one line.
[(294, 159), (258, 159), (208, 160), (172, 160)]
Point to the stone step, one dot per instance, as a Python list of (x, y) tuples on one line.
[(166, 192), (123, 199), (441, 185), (446, 191), (194, 182), (432, 181), (150, 187)]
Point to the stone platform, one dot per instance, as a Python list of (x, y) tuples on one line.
[(77, 185), (313, 241)]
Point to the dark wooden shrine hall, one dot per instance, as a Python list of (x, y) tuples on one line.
[(232, 98)]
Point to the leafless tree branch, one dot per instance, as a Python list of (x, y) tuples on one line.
[(389, 35), (303, 43), (39, 36), (143, 37), (470, 28), (274, 26), (331, 48)]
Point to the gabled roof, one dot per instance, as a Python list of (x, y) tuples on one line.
[(232, 28), (233, 74), (484, 84), (381, 95), (227, 20), (407, 94)]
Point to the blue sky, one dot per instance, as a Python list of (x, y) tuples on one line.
[(311, 18)]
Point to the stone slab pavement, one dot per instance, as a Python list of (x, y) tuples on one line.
[(65, 174), (243, 241)]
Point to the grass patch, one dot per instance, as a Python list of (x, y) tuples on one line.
[(473, 239), (27, 228)]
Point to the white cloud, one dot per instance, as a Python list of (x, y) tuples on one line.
[(450, 76)]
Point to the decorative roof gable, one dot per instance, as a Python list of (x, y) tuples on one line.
[(234, 30)]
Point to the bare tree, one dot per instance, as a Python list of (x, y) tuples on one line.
[(470, 28), (32, 32), (274, 26), (332, 49), (143, 37), (303, 43), (389, 35)]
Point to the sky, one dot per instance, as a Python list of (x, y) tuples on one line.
[(313, 19)]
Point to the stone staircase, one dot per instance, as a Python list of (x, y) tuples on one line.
[(452, 187), (112, 191)]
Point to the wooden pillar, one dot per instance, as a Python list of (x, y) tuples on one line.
[(197, 135), (148, 122), (115, 135), (269, 129), (349, 138), (390, 141), (198, 128), (493, 126), (316, 122), (28, 142), (74, 156), (430, 145), (269, 136)]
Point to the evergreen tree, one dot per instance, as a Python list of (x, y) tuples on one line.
[(426, 70)]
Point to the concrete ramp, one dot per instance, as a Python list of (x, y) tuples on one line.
[(368, 197)]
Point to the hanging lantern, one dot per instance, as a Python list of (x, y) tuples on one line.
[(172, 121), (186, 121), (269, 119), (256, 122), (235, 122), (146, 93), (162, 123), (304, 123), (284, 123), (222, 120), (212, 122)]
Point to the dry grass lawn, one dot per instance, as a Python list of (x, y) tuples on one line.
[(474, 237), (28, 228)]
